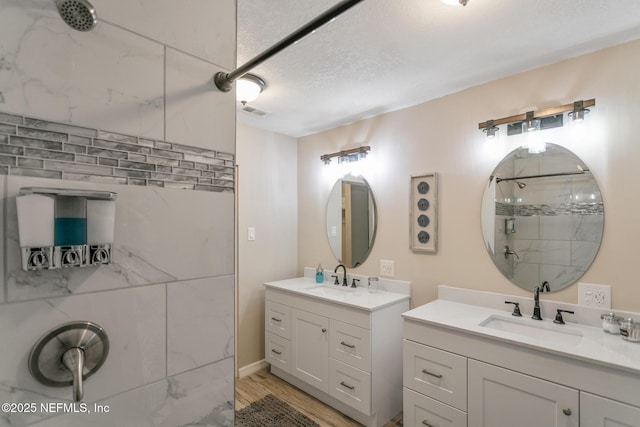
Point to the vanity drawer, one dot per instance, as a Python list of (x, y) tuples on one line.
[(277, 319), (350, 344), (350, 386), (420, 411), (277, 351), (438, 374)]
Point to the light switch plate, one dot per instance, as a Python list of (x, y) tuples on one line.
[(387, 268), (251, 233)]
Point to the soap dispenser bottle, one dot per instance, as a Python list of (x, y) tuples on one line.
[(319, 274)]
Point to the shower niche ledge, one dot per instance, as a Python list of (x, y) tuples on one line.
[(60, 228)]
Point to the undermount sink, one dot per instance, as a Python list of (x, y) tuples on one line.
[(331, 290), (544, 331)]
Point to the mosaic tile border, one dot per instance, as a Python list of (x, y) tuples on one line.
[(45, 149), (550, 210)]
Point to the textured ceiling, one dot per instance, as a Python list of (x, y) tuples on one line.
[(383, 55)]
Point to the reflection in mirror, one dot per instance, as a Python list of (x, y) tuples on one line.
[(542, 217), (351, 220)]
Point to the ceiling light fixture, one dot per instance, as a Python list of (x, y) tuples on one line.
[(249, 87), (347, 156), (540, 119), (224, 81), (456, 2)]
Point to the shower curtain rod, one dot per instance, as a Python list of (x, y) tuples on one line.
[(518, 178), (224, 81)]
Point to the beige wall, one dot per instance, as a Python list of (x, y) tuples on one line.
[(442, 136), (439, 136), (267, 200)]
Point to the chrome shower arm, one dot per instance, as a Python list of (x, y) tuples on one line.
[(224, 81)]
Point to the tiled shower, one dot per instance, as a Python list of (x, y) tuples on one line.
[(125, 108)]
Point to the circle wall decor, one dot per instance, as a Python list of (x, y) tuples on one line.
[(423, 187), (423, 204)]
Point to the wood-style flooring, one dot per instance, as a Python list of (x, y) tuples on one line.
[(256, 386)]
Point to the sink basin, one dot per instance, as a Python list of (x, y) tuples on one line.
[(544, 331), (331, 290)]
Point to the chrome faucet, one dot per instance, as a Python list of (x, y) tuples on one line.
[(344, 277), (536, 299)]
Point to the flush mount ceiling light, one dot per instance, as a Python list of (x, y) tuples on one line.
[(249, 87), (224, 81), (456, 2)]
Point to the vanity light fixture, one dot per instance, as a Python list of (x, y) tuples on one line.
[(249, 87), (346, 156), (530, 124), (539, 120), (491, 129), (579, 111)]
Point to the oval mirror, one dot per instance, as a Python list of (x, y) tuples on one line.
[(351, 220), (542, 217)]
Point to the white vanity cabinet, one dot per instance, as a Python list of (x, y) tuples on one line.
[(349, 355), (457, 376)]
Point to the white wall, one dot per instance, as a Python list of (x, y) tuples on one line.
[(442, 136), (166, 302), (267, 201)]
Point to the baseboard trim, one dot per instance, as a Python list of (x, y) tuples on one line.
[(252, 368)]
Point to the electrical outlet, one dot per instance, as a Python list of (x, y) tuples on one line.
[(386, 268), (592, 295)]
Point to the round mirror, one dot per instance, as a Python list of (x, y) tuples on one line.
[(542, 217), (351, 220)]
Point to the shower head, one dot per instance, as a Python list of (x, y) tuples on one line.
[(78, 14), (521, 184)]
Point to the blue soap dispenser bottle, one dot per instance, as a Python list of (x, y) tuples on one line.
[(319, 274)]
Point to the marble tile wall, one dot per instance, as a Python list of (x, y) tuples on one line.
[(92, 111)]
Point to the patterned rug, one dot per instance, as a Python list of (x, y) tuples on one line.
[(271, 412)]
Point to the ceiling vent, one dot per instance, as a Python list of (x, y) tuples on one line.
[(253, 110)]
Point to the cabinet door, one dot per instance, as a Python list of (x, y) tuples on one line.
[(502, 398), (596, 411), (310, 348)]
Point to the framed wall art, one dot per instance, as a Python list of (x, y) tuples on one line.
[(423, 213)]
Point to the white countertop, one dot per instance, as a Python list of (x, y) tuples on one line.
[(585, 343), (359, 297)]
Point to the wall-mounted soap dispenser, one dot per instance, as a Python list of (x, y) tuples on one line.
[(65, 228)]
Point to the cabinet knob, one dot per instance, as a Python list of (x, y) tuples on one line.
[(324, 330), (567, 412)]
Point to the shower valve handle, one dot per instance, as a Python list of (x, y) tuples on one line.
[(73, 360)]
